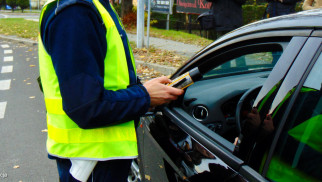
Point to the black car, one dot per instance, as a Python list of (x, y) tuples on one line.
[(254, 116)]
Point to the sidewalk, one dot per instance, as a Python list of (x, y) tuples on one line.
[(183, 49), (180, 48)]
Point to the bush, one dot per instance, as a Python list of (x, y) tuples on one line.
[(23, 4), (12, 4), (129, 20), (252, 13), (3, 3), (253, 10)]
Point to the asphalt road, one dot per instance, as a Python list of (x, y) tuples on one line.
[(23, 155), (16, 14)]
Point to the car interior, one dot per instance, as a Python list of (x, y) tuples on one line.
[(213, 100)]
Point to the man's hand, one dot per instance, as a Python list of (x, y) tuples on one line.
[(268, 124), (254, 118), (161, 93)]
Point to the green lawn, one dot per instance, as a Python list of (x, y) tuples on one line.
[(19, 27), (177, 36), (29, 29)]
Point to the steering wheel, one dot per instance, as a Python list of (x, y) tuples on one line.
[(240, 104)]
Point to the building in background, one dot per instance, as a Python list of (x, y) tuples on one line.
[(37, 4)]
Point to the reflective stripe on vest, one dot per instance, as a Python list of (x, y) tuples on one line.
[(65, 138)]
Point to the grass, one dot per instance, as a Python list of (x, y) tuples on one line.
[(19, 27), (29, 29), (177, 36)]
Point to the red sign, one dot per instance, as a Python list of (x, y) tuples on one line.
[(193, 6)]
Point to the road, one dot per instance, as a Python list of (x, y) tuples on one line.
[(23, 155), (27, 16)]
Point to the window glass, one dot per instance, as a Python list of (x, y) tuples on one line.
[(260, 61), (298, 154)]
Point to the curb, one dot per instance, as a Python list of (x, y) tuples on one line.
[(165, 70), (19, 40)]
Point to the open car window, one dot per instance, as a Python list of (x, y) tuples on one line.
[(259, 61), (228, 74)]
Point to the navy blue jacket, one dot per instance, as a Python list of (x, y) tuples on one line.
[(75, 39), (228, 14), (276, 8)]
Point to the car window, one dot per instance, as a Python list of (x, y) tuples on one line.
[(298, 153), (250, 62), (261, 130), (227, 75)]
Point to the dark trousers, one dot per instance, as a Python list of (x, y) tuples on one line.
[(109, 171)]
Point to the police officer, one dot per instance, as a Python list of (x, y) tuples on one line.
[(91, 91)]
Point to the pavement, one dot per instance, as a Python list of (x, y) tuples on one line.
[(180, 48), (183, 49)]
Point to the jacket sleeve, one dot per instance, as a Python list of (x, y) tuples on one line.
[(77, 44), (290, 1)]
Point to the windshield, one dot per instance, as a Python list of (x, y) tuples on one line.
[(261, 61)]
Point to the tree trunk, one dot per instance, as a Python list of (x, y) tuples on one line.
[(127, 6)]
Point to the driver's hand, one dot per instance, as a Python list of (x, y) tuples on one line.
[(161, 93), (268, 124), (253, 118)]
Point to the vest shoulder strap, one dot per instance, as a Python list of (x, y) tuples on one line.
[(56, 6)]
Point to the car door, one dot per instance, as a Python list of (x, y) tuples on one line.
[(177, 144)]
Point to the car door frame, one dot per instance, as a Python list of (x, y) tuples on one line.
[(213, 142)]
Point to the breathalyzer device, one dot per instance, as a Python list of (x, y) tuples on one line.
[(186, 79)]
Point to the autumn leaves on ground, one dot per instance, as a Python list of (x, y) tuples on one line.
[(158, 56)]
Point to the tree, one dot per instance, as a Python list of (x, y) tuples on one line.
[(3, 3), (23, 4), (12, 4), (127, 6)]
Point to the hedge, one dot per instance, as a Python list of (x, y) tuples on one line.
[(251, 13)]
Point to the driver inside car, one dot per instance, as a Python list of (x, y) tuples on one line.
[(258, 135)]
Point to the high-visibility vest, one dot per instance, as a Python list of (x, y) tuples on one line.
[(65, 138)]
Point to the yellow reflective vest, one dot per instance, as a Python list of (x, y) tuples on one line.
[(65, 138)]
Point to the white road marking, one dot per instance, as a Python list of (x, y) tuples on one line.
[(6, 69), (8, 51), (5, 46), (2, 109), (8, 58), (5, 84), (4, 16)]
